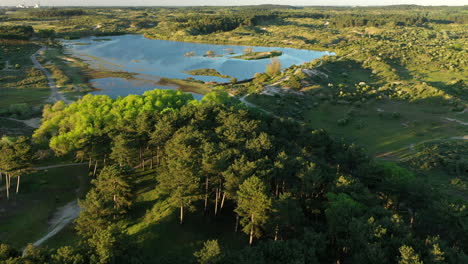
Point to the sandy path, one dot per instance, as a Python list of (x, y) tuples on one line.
[(8, 67), (33, 122), (56, 95), (456, 120), (464, 111), (247, 103), (58, 166), (465, 137), (62, 217)]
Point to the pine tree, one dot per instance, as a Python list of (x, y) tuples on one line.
[(210, 253), (180, 174), (253, 205), (108, 200)]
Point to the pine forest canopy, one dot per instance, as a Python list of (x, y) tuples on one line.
[(284, 181)]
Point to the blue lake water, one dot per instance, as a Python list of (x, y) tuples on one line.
[(152, 59)]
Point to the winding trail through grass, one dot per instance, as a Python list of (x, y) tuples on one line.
[(56, 95), (58, 166), (33, 122), (456, 120), (63, 215)]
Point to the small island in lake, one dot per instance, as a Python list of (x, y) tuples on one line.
[(258, 55), (207, 72)]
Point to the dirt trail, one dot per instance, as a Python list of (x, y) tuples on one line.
[(62, 217), (465, 137), (33, 122), (56, 95), (456, 120), (8, 67), (464, 111), (58, 166), (247, 103), (391, 155)]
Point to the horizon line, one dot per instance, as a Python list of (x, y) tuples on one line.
[(244, 5)]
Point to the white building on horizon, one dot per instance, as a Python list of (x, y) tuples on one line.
[(23, 5)]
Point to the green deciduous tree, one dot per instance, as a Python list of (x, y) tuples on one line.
[(408, 256), (274, 68)]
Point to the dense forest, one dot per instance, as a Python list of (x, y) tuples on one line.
[(297, 194)]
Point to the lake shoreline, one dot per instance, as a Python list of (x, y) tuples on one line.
[(133, 54)]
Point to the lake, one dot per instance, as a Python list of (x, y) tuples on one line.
[(151, 59)]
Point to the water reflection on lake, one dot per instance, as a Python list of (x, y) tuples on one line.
[(161, 58), (115, 87)]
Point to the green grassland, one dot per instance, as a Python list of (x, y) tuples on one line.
[(382, 127), (12, 127), (23, 89), (188, 85), (154, 221), (26, 215)]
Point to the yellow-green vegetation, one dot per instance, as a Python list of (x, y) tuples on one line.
[(187, 85), (207, 72), (258, 55)]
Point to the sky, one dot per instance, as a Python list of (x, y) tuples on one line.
[(228, 2)]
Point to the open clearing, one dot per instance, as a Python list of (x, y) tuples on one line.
[(27, 217)]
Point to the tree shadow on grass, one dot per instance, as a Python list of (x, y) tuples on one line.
[(158, 235), (345, 71), (458, 89)]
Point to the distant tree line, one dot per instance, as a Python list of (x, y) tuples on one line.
[(16, 32), (355, 20), (56, 12), (206, 24)]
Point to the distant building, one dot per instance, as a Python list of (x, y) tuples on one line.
[(21, 6), (37, 5)]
